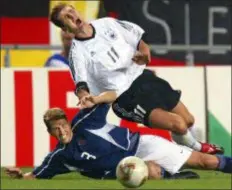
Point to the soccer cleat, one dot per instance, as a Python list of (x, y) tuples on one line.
[(183, 175), (211, 149)]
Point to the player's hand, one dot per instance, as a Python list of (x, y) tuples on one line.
[(14, 172), (87, 102), (140, 58)]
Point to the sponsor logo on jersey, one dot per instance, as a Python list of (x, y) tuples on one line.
[(92, 53)]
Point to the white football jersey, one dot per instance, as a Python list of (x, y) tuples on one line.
[(104, 61)]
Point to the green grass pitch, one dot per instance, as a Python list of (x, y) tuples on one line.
[(209, 180)]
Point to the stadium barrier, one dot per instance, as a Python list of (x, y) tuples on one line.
[(12, 53), (27, 93)]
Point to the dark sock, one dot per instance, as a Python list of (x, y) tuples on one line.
[(164, 173), (225, 164)]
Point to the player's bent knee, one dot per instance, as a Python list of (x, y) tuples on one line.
[(166, 120), (179, 126), (154, 170), (190, 120)]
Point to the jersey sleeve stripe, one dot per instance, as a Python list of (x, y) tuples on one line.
[(49, 161), (80, 120)]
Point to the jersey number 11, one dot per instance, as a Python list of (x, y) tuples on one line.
[(113, 54)]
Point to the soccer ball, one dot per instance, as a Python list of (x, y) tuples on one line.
[(132, 172)]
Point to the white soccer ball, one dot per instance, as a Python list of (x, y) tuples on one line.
[(132, 172)]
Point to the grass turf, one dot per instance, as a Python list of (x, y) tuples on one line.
[(208, 180)]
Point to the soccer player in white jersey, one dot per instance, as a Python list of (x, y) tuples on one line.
[(108, 55)]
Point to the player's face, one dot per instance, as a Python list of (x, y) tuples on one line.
[(71, 19), (61, 130)]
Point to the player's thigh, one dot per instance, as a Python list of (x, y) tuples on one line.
[(163, 119), (146, 94), (167, 154), (159, 99), (200, 160), (183, 111)]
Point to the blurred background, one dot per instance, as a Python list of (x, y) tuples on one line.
[(190, 43)]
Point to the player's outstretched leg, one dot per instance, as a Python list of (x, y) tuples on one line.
[(200, 160), (159, 118), (173, 157), (157, 172)]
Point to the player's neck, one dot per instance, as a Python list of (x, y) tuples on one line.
[(87, 32)]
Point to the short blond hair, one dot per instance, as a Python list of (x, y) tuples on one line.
[(55, 14), (53, 114)]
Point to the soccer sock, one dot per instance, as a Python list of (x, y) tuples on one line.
[(225, 164), (187, 140)]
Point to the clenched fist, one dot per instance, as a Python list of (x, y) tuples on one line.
[(140, 58)]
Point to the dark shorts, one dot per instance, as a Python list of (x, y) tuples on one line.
[(146, 93)]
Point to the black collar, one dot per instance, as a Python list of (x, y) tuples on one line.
[(88, 38)]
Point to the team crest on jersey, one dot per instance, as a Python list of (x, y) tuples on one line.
[(92, 53), (81, 141), (112, 34)]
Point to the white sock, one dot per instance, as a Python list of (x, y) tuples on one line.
[(187, 140)]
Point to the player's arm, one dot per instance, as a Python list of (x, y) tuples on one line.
[(77, 64), (51, 166), (18, 174), (143, 55), (105, 97)]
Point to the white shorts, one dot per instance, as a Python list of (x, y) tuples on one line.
[(168, 155)]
